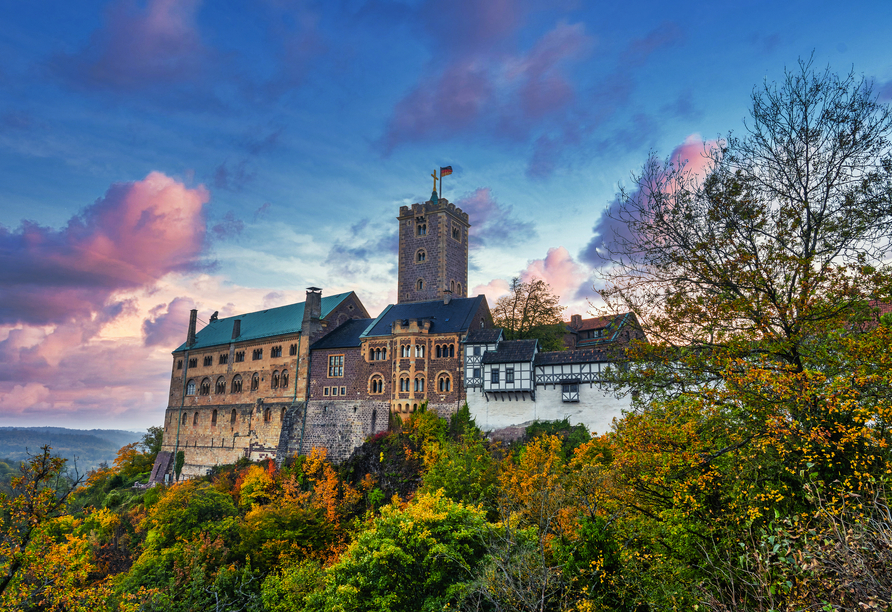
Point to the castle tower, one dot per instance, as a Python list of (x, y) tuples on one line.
[(433, 261)]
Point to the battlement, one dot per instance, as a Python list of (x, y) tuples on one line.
[(419, 209)]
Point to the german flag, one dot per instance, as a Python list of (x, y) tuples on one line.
[(445, 171)]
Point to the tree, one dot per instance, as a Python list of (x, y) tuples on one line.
[(35, 567), (412, 559), (775, 246), (767, 374), (531, 310)]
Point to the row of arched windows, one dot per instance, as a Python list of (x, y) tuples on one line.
[(445, 350), (277, 380), (406, 351), (377, 354)]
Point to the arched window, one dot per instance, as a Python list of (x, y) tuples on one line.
[(419, 284), (214, 418), (404, 350), (267, 415), (419, 350), (404, 384), (255, 382), (274, 381), (220, 386), (232, 416), (414, 407), (284, 379), (195, 419), (419, 384), (422, 229), (452, 350), (190, 388), (452, 286), (377, 354), (420, 256), (205, 388), (438, 351), (376, 384), (444, 383), (384, 353), (184, 418), (236, 386)]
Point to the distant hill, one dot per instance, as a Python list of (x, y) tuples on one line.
[(90, 447)]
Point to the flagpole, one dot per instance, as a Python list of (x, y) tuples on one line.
[(441, 183)]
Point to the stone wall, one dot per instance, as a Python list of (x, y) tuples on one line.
[(338, 425), (254, 432), (446, 258)]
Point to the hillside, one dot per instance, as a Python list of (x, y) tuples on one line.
[(89, 446)]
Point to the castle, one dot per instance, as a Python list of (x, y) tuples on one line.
[(281, 381)]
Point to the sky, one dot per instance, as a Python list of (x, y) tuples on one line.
[(163, 155)]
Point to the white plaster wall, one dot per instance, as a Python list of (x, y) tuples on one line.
[(596, 409)]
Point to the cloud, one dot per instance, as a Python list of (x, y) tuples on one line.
[(261, 211), (494, 223), (884, 91), (365, 245), (607, 227), (496, 94), (639, 50), (168, 324), (567, 278), (233, 179), (558, 269), (24, 397), (136, 233), (139, 48), (228, 227), (493, 290)]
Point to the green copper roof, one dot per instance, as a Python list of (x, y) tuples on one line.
[(260, 324)]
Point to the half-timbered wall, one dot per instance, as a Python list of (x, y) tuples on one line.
[(554, 392)]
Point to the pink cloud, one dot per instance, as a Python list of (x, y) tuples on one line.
[(166, 324), (24, 397), (141, 47), (493, 290), (132, 236), (559, 270), (494, 223), (568, 279), (607, 227)]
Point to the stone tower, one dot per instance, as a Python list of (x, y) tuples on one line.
[(433, 261)]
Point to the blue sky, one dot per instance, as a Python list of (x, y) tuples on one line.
[(157, 156)]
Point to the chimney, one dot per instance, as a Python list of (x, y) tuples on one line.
[(447, 296), (576, 321), (236, 328), (193, 317), (311, 326)]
